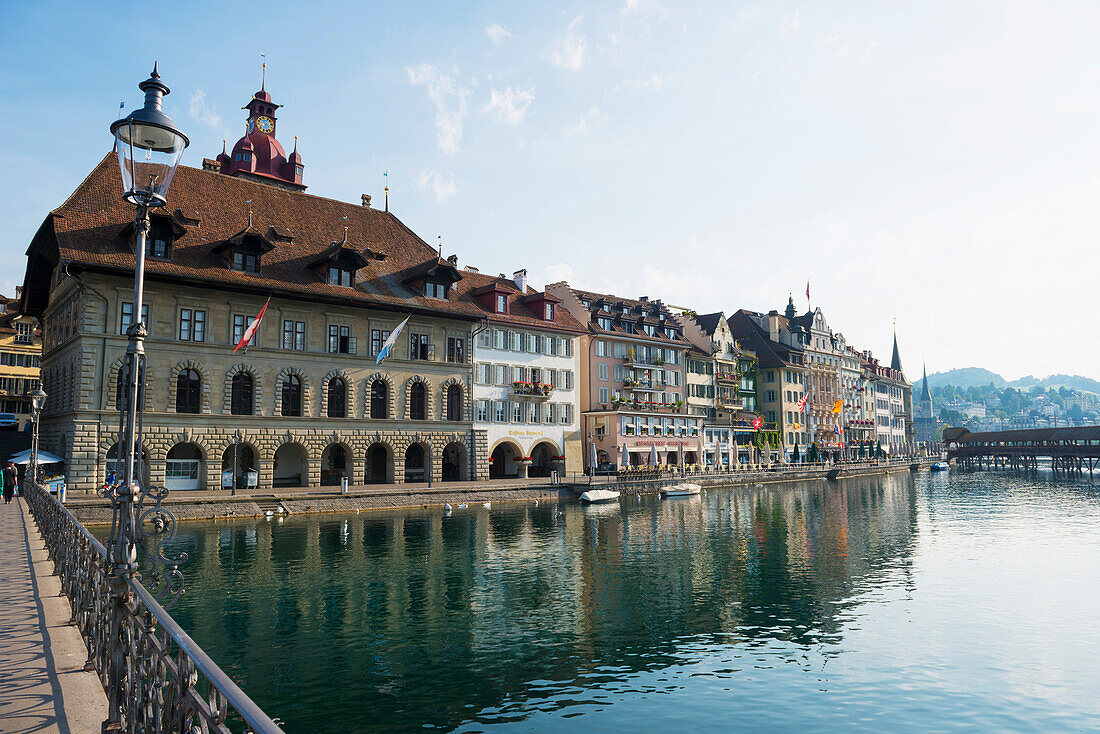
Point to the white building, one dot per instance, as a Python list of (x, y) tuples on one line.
[(526, 373)]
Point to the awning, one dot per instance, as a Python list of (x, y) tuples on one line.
[(44, 457)]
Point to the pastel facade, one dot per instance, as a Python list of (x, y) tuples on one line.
[(20, 354)]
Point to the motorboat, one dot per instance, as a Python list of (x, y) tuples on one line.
[(594, 496), (940, 466), (685, 489)]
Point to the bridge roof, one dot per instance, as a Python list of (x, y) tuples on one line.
[(1079, 433)]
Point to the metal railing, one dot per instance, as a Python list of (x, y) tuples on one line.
[(171, 685)]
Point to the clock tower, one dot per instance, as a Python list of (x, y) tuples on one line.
[(258, 155)]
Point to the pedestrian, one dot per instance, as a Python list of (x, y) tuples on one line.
[(10, 475)]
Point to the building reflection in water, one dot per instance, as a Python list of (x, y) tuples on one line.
[(395, 621)]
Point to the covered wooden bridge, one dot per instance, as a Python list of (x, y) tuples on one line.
[(1070, 450)]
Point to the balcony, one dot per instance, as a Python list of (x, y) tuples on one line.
[(645, 406), (641, 385), (643, 361), (540, 391), (729, 378)]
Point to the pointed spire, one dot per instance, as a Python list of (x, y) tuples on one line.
[(223, 146), (296, 147), (155, 74), (250, 213), (263, 72), (925, 395), (345, 230), (386, 177), (895, 360)]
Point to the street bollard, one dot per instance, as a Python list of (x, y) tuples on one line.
[(343, 485)]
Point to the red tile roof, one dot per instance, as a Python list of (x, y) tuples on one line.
[(519, 313), (87, 227)]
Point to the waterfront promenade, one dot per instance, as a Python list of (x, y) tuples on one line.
[(43, 684)]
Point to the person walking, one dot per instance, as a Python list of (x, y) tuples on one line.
[(10, 475)]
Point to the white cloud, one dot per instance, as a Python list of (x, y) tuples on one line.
[(640, 6), (449, 98), (203, 113), (497, 33), (790, 25), (553, 274), (509, 105), (744, 16), (569, 52), (442, 186), (592, 117)]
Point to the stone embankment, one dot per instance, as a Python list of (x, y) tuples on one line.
[(93, 510)]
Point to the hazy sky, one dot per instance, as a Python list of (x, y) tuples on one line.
[(930, 162)]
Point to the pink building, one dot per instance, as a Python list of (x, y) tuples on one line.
[(633, 380)]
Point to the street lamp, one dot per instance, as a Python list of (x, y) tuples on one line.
[(149, 148), (38, 402)]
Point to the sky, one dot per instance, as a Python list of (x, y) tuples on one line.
[(931, 164)]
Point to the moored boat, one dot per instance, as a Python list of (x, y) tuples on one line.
[(685, 489), (594, 496), (940, 466)]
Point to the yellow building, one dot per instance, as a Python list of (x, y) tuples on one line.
[(20, 352)]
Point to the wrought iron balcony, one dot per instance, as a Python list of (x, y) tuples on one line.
[(540, 391)]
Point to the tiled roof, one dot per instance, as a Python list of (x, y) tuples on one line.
[(632, 304), (519, 313), (708, 322), (87, 227)]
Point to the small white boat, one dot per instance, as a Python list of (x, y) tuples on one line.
[(686, 489), (940, 466), (593, 496)]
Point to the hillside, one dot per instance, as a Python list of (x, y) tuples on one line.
[(980, 377)]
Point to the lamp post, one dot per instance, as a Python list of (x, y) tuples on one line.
[(236, 464), (38, 402), (149, 148)]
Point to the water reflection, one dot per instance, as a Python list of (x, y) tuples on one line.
[(395, 621)]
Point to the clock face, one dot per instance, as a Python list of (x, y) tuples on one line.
[(265, 124)]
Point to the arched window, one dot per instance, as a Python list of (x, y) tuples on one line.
[(454, 403), (187, 392), (418, 402), (292, 395), (379, 399), (120, 388), (240, 402), (337, 398)]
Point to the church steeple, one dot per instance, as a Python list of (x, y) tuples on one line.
[(258, 155), (895, 361), (925, 395)]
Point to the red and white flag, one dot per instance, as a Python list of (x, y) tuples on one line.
[(757, 422), (802, 403), (251, 330)]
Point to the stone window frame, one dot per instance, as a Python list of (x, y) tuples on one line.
[(112, 386), (349, 394), (257, 388), (391, 397), (444, 388), (429, 397), (204, 390), (307, 392)]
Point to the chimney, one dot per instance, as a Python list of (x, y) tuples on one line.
[(211, 165), (773, 326), (453, 260), (366, 200), (643, 299), (520, 279)]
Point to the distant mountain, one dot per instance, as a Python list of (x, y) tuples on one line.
[(980, 377)]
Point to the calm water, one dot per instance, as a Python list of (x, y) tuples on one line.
[(901, 603)]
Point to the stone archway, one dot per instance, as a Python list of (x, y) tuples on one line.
[(542, 459), (111, 465), (505, 456), (335, 464), (417, 463), (239, 467), (379, 464), (290, 466), (183, 468), (455, 464)]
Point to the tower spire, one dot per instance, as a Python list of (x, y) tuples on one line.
[(263, 71), (386, 178), (250, 213)]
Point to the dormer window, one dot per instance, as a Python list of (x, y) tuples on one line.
[(299, 170), (159, 240), (548, 311), (340, 276), (435, 290), (604, 323), (502, 303), (246, 262)]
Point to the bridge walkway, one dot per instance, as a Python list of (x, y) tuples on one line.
[(43, 684)]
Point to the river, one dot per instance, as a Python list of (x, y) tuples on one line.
[(899, 603)]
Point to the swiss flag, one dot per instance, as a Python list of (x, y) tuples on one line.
[(251, 330), (757, 422)]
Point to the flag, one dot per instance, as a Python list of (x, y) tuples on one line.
[(807, 291), (838, 405), (757, 422), (251, 330), (390, 341), (802, 403)]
